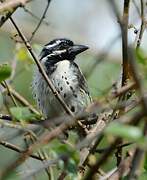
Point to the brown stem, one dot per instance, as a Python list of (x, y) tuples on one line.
[(18, 149), (9, 5), (142, 27)]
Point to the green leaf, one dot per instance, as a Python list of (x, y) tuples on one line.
[(71, 166), (23, 55), (124, 131), (13, 175), (66, 149), (5, 72), (145, 162), (21, 113), (143, 176), (141, 56), (1, 100)]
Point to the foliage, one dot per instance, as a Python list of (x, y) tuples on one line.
[(35, 147), (5, 72)]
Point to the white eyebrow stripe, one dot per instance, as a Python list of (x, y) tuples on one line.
[(59, 51), (54, 44), (55, 53)]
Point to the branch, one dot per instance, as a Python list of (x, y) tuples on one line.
[(35, 16), (5, 17), (134, 167), (42, 71), (21, 99), (137, 159), (102, 159), (121, 170), (45, 165), (124, 31), (28, 127), (18, 149), (12, 4), (45, 139), (142, 28)]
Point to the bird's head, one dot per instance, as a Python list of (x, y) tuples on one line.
[(61, 49)]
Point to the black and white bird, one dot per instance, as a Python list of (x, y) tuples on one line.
[(57, 58)]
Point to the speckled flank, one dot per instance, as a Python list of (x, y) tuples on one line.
[(67, 82)]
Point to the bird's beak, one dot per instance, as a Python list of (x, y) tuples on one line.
[(77, 49)]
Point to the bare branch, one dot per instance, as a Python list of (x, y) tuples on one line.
[(21, 99), (6, 16), (45, 139), (35, 16), (9, 5), (28, 46), (47, 163), (18, 149), (142, 27)]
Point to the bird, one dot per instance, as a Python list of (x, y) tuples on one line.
[(58, 60)]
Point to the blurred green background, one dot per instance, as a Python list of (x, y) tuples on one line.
[(87, 22)]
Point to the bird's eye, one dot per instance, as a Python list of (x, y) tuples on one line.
[(64, 45)]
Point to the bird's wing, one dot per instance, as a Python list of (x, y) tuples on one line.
[(82, 83)]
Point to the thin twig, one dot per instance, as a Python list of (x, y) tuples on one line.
[(21, 99), (41, 20), (40, 152), (48, 81), (137, 159), (102, 159), (134, 120), (45, 139), (9, 93), (138, 155), (102, 150), (142, 27), (126, 73), (43, 73), (120, 171), (18, 149), (26, 128), (124, 31), (34, 16), (45, 165), (6, 16)]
